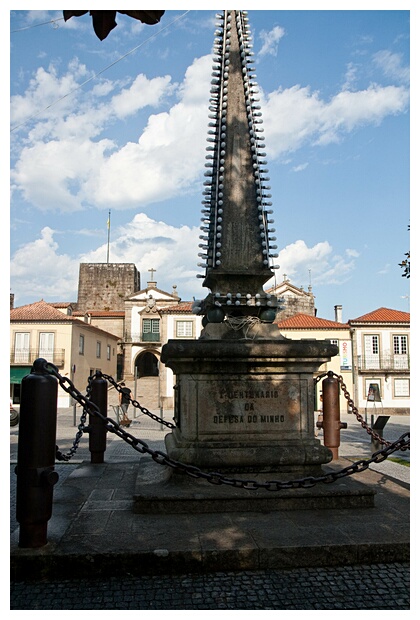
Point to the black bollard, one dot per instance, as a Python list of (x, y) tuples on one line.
[(97, 426), (36, 455), (331, 414)]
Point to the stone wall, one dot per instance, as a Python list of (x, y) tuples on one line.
[(296, 305)]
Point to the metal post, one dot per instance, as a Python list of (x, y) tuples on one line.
[(331, 414), (97, 426), (36, 455)]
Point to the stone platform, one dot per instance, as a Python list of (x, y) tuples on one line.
[(161, 490)]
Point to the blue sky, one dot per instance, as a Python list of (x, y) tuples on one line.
[(121, 126)]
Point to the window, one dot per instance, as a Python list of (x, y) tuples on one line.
[(46, 345), (151, 330), (400, 348), (108, 352), (98, 349), (400, 345), (22, 340), (81, 344), (401, 387), (184, 329)]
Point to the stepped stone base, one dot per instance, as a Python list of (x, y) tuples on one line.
[(161, 490)]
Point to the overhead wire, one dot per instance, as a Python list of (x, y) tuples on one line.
[(51, 21), (93, 77)]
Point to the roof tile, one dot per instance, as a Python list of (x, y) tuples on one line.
[(383, 315), (38, 311), (306, 321)]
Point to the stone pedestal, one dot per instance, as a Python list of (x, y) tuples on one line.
[(246, 403)]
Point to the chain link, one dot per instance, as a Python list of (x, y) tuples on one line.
[(355, 411), (136, 404), (218, 478)]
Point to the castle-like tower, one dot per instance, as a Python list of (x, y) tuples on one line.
[(237, 236), (104, 286)]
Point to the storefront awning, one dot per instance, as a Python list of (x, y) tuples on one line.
[(18, 372)]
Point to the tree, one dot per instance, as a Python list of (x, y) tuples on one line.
[(405, 264), (104, 21)]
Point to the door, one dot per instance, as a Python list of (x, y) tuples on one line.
[(46, 346), (400, 352), (372, 352), (22, 348)]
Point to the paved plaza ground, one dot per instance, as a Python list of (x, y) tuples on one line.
[(374, 585)]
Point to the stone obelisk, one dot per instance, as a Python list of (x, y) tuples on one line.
[(244, 393), (237, 238)]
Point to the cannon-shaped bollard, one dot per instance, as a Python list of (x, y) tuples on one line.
[(331, 414), (97, 427), (36, 455)]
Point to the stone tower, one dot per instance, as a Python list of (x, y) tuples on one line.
[(104, 286)]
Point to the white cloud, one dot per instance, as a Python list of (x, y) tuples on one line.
[(52, 177), (300, 167), (310, 120), (39, 270), (171, 250), (392, 66), (45, 88), (350, 77), (171, 148), (326, 267), (64, 166), (270, 41), (141, 93)]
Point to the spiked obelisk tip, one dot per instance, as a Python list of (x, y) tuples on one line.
[(237, 238)]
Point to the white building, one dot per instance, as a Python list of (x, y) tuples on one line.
[(152, 317), (381, 359)]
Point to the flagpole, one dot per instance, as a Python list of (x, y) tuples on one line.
[(109, 230)]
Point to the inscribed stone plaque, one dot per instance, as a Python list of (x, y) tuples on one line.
[(251, 406)]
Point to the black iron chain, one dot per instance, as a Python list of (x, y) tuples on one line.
[(136, 404), (69, 387), (218, 478)]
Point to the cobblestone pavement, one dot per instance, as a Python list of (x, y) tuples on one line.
[(375, 587)]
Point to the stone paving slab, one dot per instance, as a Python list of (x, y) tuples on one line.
[(94, 529)]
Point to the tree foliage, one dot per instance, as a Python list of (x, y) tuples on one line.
[(405, 264)]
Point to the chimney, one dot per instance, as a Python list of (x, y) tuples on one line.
[(338, 314)]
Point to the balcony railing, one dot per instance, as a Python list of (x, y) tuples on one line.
[(390, 363), (26, 357), (144, 337)]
